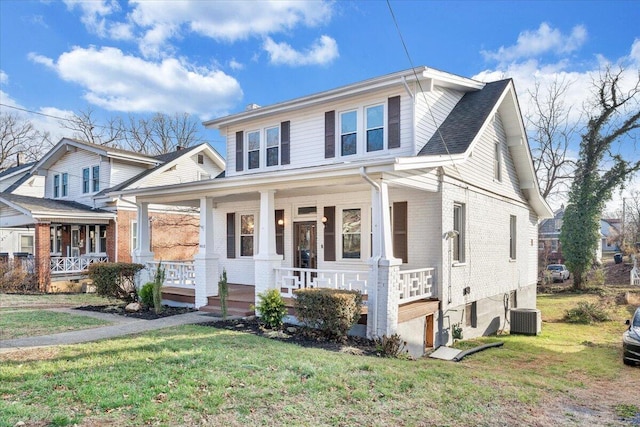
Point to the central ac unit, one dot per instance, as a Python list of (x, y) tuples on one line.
[(526, 321)]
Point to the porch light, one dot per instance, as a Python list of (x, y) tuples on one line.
[(324, 219), (281, 221)]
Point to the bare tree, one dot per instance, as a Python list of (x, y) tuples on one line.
[(630, 216), (85, 127), (19, 137), (161, 133), (551, 134)]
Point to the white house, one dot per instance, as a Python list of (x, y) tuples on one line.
[(416, 188), (75, 222)]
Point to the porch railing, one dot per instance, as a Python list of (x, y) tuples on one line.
[(180, 274), (62, 265), (290, 279), (416, 284), (635, 274)]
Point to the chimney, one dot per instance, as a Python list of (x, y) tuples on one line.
[(178, 147), (19, 159)]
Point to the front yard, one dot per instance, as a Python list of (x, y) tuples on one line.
[(569, 375)]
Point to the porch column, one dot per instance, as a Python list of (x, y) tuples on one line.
[(206, 262), (266, 260), (384, 275), (42, 256), (142, 254)]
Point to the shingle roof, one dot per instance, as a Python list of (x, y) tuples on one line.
[(57, 206), (465, 120), (14, 169), (18, 183)]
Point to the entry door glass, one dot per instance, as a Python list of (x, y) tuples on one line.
[(305, 245)]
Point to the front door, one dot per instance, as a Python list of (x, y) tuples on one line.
[(305, 250)]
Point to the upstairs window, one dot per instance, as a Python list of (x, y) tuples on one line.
[(65, 184), (273, 146), (85, 180), (349, 133), (375, 128), (95, 178), (56, 186), (253, 149)]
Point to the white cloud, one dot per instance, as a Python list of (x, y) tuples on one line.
[(235, 65), (119, 82), (322, 52), (541, 41), (94, 13), (40, 59), (4, 78)]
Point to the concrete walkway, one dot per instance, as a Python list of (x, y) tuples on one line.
[(121, 326)]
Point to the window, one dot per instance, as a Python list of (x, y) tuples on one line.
[(253, 149), (512, 237), (348, 133), (375, 128), (497, 163), (102, 239), (457, 249), (56, 186), (246, 235), (200, 159), (351, 233), (85, 180), (55, 239), (273, 146), (26, 243), (65, 184), (554, 245), (95, 176), (134, 235)]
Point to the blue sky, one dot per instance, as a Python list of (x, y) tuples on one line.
[(214, 58)]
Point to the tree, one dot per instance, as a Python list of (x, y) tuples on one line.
[(161, 133), (630, 230), (550, 137), (19, 137), (615, 117), (85, 127)]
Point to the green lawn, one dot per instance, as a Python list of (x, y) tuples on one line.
[(52, 300), (196, 375), (22, 323)]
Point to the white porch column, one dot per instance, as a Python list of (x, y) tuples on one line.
[(142, 253), (266, 260), (206, 262), (384, 275)]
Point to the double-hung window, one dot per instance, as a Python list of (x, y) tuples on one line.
[(273, 146), (134, 235), (253, 149), (512, 236), (457, 240), (56, 186), (95, 178), (246, 235), (348, 133), (55, 239), (351, 233), (85, 180), (65, 184), (375, 128)]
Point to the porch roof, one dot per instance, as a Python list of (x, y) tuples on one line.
[(30, 210)]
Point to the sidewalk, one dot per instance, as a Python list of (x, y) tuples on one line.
[(122, 326)]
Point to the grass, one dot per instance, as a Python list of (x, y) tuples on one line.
[(8, 301), (201, 375), (23, 323)]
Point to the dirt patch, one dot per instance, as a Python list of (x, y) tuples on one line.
[(145, 313)]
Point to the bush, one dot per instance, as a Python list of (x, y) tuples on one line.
[(223, 293), (146, 294), (115, 279), (15, 278), (333, 311), (392, 346), (586, 313), (271, 307), (158, 281)]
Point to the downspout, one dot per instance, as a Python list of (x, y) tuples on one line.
[(373, 308)]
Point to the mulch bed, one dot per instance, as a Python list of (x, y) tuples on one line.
[(145, 314)]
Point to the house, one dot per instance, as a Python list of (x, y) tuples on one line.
[(611, 235), (549, 246), (75, 222), (416, 188)]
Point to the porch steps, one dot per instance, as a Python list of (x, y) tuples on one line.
[(239, 301)]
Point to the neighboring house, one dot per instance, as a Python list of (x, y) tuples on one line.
[(77, 223), (610, 231), (18, 180), (549, 246), (416, 188)]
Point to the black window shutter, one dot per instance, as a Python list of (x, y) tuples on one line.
[(330, 233), (400, 246), (329, 134), (280, 232), (239, 150), (231, 235), (393, 118), (285, 142)]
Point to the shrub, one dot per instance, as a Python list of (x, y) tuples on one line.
[(115, 279), (456, 333), (223, 292), (392, 346), (586, 313), (333, 311), (158, 281), (15, 278), (146, 294), (271, 307)]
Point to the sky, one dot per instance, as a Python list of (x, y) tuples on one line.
[(213, 58)]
